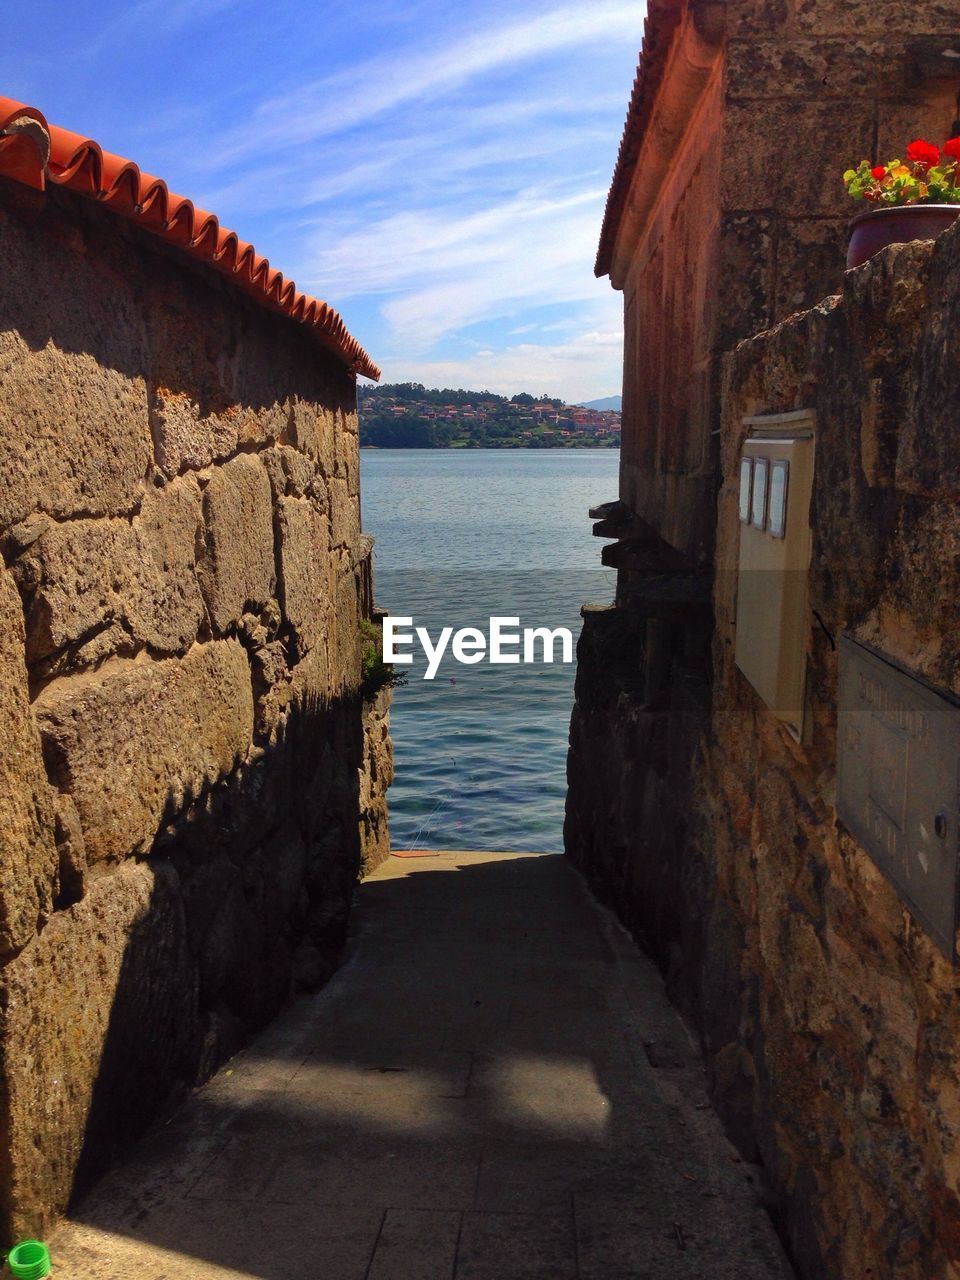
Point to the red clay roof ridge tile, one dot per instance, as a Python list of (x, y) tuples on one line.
[(663, 18), (36, 153)]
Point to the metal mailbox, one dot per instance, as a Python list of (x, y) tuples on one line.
[(898, 782), (776, 483)]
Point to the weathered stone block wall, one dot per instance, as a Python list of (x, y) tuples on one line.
[(376, 775), (666, 829), (189, 778), (829, 1014), (737, 216), (670, 308), (812, 87)]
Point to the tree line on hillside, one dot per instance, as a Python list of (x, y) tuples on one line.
[(416, 391), (410, 416)]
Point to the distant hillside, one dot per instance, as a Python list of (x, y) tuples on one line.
[(410, 416), (608, 402)]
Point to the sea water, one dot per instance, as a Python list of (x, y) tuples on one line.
[(462, 536)]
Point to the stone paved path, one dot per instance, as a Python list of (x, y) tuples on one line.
[(492, 1087)]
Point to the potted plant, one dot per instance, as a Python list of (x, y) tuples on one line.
[(912, 199)]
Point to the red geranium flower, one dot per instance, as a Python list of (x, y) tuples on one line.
[(923, 153), (952, 148), (879, 171)]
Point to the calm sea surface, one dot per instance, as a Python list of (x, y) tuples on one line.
[(462, 535)]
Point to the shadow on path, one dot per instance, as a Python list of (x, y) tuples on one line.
[(492, 1087)]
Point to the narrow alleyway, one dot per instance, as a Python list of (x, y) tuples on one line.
[(492, 1087)]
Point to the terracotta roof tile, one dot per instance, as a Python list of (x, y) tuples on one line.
[(35, 153), (658, 31)]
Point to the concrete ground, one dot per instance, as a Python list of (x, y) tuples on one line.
[(492, 1087)]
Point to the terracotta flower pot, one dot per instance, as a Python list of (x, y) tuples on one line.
[(896, 224)]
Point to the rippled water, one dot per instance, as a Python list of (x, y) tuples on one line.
[(462, 536)]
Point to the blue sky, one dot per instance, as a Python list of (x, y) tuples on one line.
[(435, 170)]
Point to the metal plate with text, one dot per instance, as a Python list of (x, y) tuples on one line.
[(898, 766)]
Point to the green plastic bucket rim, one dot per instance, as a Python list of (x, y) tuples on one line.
[(29, 1260)]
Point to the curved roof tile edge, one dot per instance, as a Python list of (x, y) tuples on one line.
[(658, 31), (34, 152)]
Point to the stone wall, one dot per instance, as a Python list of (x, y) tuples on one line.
[(727, 216), (668, 457), (189, 778), (376, 774), (828, 1014), (736, 215), (743, 119), (813, 86)]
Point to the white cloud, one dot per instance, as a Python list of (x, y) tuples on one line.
[(462, 155), (367, 90), (435, 170), (425, 246), (454, 185), (445, 272), (584, 367)]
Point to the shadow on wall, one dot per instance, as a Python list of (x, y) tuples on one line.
[(200, 337), (165, 966), (251, 896), (186, 617), (642, 705), (474, 1093)]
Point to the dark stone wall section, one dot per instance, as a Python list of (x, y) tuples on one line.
[(828, 1014)]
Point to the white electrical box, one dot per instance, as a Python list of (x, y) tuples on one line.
[(776, 483)]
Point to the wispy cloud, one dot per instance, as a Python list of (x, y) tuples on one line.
[(165, 18), (585, 366), (445, 272), (425, 246), (361, 93), (468, 151), (435, 170), (462, 186)]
